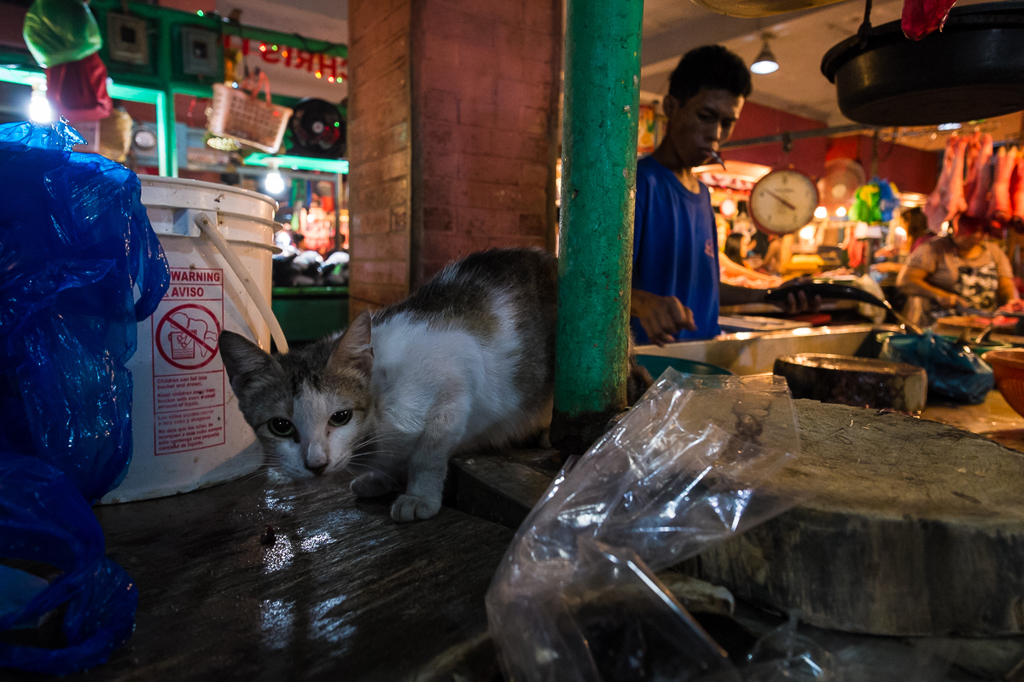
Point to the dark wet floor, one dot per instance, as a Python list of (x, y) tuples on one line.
[(342, 593)]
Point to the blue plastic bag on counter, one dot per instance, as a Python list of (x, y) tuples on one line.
[(954, 372), (51, 555), (75, 242)]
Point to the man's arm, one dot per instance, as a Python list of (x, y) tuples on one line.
[(729, 294), (794, 305), (662, 317)]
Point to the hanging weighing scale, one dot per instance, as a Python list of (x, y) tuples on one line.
[(783, 201)]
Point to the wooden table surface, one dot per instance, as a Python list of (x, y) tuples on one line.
[(343, 592), (994, 419)]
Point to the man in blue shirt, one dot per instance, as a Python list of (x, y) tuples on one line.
[(675, 292)]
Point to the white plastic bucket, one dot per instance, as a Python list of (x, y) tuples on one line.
[(187, 430)]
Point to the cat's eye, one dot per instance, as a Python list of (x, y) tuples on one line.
[(340, 418), (281, 427)]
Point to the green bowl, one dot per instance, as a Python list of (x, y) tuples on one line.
[(656, 364)]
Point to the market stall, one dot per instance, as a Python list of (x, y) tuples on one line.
[(205, 97), (894, 544)]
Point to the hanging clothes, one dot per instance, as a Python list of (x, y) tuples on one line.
[(78, 90)]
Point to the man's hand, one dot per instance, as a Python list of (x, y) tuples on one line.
[(662, 317), (796, 305)]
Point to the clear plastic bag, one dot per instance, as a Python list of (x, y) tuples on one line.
[(74, 243), (60, 31), (46, 527), (690, 465), (784, 654)]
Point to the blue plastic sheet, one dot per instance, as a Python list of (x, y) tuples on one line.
[(79, 266), (74, 242), (954, 372), (43, 520)]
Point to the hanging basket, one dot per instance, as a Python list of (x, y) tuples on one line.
[(238, 113)]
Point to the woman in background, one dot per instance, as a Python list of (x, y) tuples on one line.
[(736, 246), (916, 225), (958, 271)]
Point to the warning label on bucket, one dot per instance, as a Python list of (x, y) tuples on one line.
[(188, 375), (186, 336)]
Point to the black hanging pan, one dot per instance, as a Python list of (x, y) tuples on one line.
[(972, 69)]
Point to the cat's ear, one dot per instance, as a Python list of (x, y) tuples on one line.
[(243, 358), (353, 348)]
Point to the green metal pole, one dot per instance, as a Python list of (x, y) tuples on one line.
[(599, 137), (165, 108), (167, 147)]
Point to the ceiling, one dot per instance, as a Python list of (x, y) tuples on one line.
[(325, 20), (800, 40)]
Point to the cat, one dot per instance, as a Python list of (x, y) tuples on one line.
[(467, 361)]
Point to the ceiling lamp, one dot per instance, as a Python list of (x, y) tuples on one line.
[(39, 109), (765, 61), (273, 182)]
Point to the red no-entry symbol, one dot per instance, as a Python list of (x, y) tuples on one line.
[(186, 336)]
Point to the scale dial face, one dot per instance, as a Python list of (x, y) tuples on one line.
[(144, 139), (783, 201)]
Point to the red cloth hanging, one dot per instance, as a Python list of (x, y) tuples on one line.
[(921, 17), (855, 250), (78, 90)]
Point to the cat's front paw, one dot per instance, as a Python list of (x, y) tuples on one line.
[(411, 508), (372, 484)]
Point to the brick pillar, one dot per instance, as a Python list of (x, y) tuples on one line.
[(380, 152), (453, 134), (485, 102)]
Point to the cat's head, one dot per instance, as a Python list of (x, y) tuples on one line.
[(309, 407)]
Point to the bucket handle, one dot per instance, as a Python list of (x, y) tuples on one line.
[(207, 227)]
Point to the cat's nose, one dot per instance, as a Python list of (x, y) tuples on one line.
[(318, 469)]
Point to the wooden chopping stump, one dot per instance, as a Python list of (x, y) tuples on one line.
[(917, 529), (858, 382)]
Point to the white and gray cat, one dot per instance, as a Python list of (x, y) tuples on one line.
[(466, 361)]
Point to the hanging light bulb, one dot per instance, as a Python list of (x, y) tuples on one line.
[(273, 182), (39, 109), (765, 61)]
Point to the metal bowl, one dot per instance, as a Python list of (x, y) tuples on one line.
[(970, 70)]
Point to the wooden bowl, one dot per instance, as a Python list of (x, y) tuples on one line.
[(1008, 368)]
